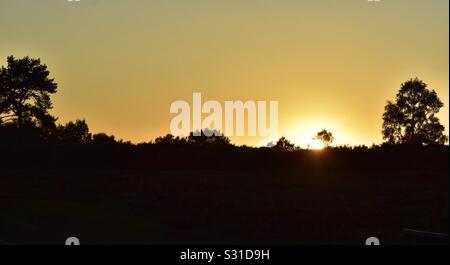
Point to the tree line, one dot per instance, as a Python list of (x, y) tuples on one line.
[(26, 88)]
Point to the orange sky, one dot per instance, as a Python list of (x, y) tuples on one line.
[(330, 64)]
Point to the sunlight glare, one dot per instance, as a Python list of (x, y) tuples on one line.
[(316, 145)]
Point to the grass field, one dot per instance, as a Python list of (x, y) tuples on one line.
[(219, 207)]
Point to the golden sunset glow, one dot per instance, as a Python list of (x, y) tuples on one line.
[(330, 64), (316, 145)]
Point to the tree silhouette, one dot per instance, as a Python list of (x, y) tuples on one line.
[(283, 144), (74, 132), (411, 118), (169, 139), (103, 139), (208, 137), (25, 90), (325, 137)]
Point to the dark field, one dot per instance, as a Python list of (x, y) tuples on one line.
[(220, 207)]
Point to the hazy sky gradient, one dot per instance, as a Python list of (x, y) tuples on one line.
[(330, 64)]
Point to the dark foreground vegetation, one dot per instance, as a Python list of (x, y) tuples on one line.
[(163, 156), (259, 206), (167, 194), (59, 180)]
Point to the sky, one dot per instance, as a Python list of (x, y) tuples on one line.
[(330, 64)]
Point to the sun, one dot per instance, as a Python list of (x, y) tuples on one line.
[(316, 145)]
